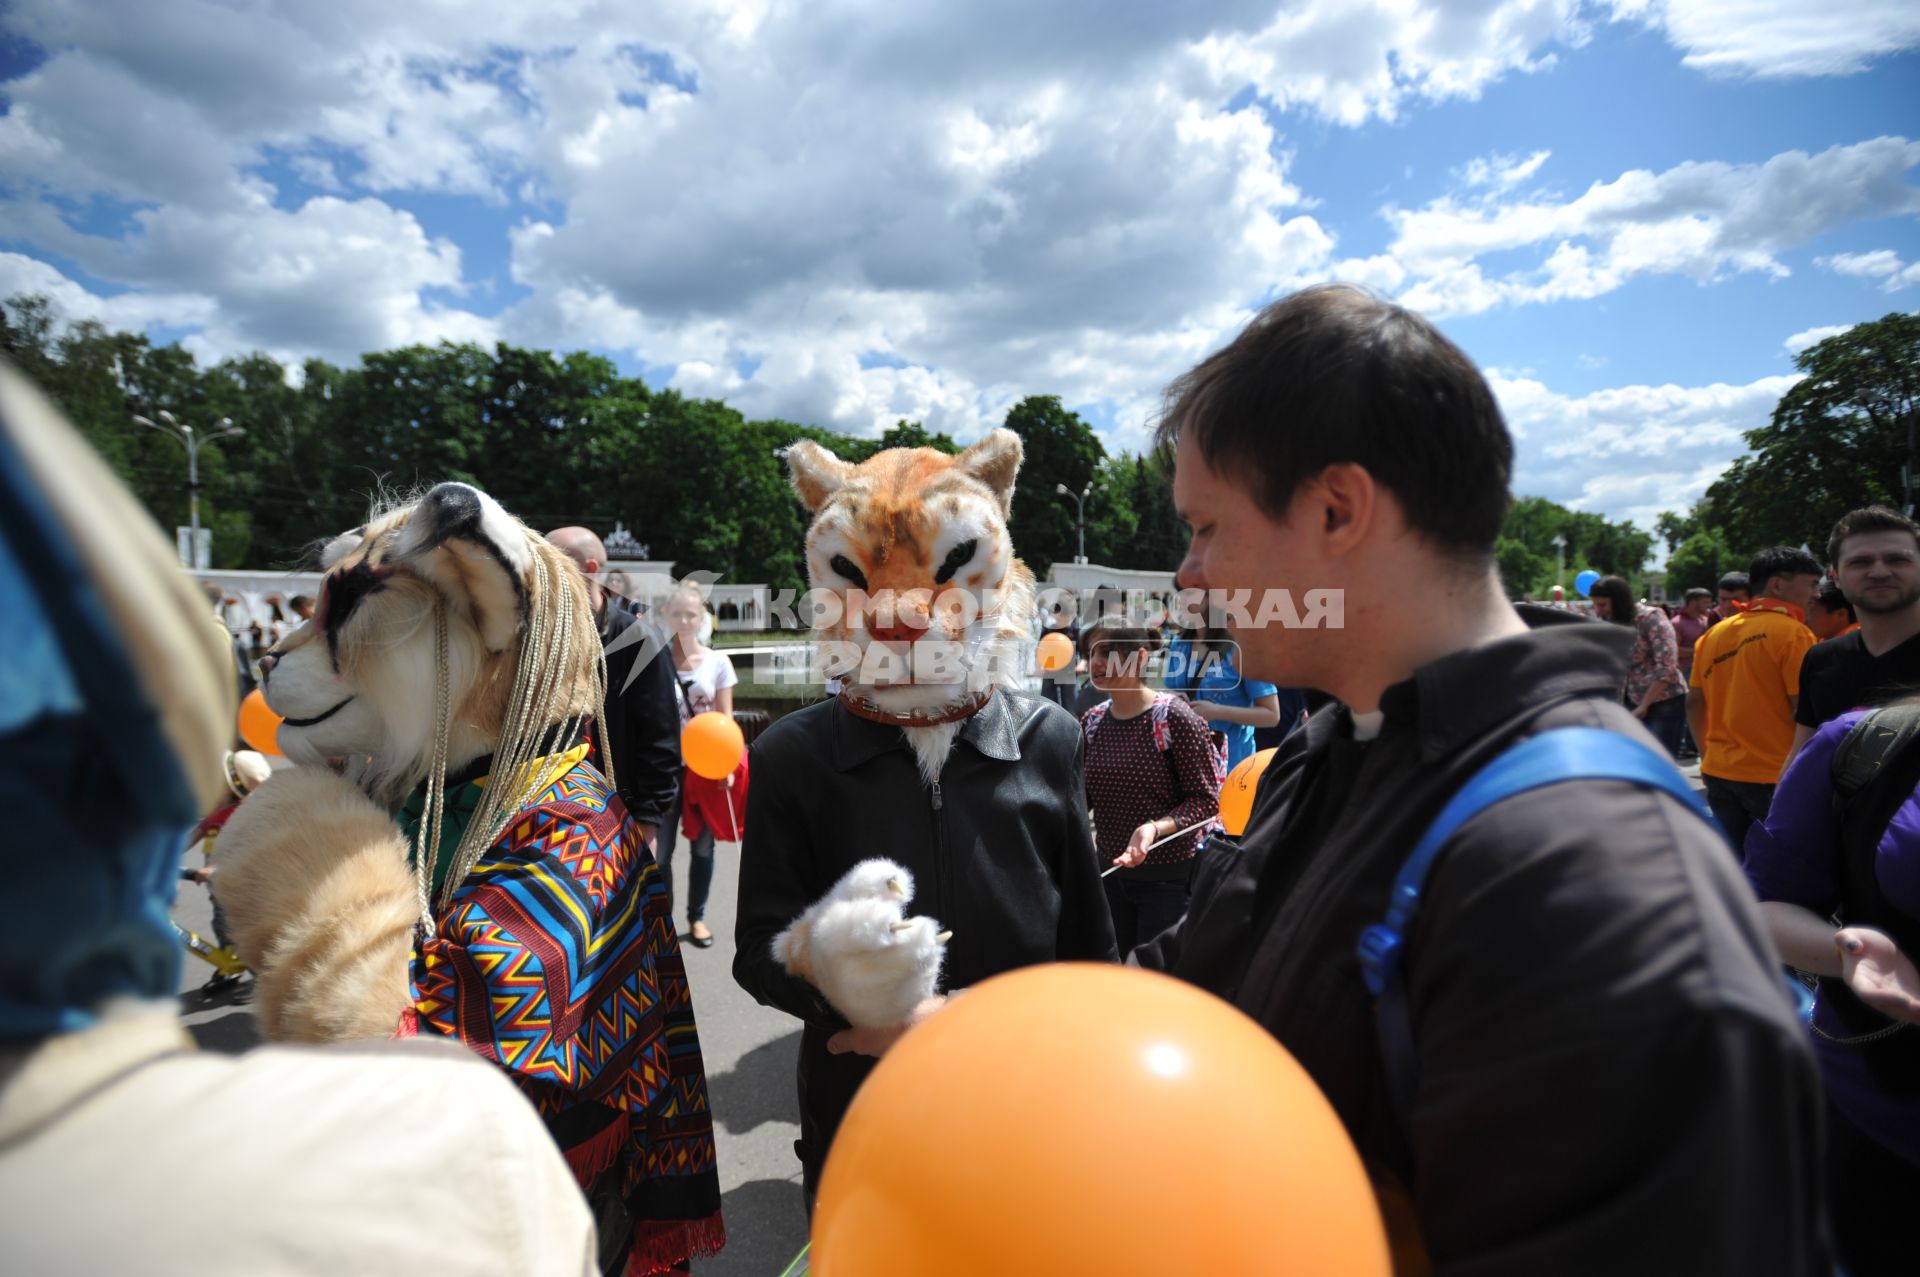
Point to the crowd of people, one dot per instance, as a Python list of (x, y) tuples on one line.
[(1580, 1053)]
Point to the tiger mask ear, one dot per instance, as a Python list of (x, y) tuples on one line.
[(459, 538), (817, 474), (995, 461)]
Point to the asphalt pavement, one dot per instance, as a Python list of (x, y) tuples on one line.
[(749, 1050)]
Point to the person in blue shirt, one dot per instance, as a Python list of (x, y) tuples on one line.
[(1232, 705)]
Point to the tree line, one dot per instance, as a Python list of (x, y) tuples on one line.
[(562, 439)]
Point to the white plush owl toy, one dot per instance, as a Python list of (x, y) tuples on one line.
[(857, 946)]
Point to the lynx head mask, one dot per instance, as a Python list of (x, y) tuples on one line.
[(933, 605)]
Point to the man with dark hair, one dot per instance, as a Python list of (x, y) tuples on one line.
[(1736, 591), (1745, 685), (643, 710), (1694, 618), (301, 605), (1829, 616), (1875, 555), (1608, 1077)]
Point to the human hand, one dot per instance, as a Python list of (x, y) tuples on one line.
[(1206, 710), (877, 1042), (203, 875), (1143, 837), (1640, 710), (1879, 974)]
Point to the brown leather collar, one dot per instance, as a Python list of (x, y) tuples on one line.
[(866, 709)]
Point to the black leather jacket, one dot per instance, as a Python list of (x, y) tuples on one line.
[(1000, 850)]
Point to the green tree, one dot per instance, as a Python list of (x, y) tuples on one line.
[(1699, 561), (1592, 541), (911, 434), (1837, 440), (1061, 451)]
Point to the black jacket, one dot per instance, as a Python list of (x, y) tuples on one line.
[(643, 720), (1002, 855), (1608, 1076)]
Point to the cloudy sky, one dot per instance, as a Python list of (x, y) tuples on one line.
[(1631, 212)]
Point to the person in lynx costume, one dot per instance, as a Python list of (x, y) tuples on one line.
[(931, 761), (447, 861)]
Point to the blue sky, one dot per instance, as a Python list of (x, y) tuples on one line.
[(1630, 212)]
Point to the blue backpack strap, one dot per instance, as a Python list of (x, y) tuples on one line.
[(1550, 758)]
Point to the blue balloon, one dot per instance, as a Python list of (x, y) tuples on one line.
[(1584, 582)]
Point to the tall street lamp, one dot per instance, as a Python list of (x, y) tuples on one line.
[(1559, 558), (1080, 513), (167, 425)]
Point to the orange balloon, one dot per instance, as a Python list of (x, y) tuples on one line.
[(259, 725), (1082, 1120), (1236, 795), (1055, 651), (712, 745)]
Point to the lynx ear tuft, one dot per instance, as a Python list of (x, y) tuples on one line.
[(817, 474), (995, 461)]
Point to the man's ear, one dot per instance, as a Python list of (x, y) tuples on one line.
[(817, 474), (1344, 501)]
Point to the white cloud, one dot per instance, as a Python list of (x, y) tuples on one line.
[(1812, 337), (1780, 38), (72, 301), (1631, 451), (843, 213), (1703, 219), (1882, 264), (1502, 172), (1353, 60)]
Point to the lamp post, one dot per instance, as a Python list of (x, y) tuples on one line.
[(1559, 558), (1080, 513), (167, 425)]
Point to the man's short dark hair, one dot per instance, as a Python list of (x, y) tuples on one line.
[(299, 599), (1780, 560), (1834, 601), (1736, 581), (1333, 374), (1697, 592), (1873, 518)]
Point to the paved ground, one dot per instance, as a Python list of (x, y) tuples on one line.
[(750, 1053)]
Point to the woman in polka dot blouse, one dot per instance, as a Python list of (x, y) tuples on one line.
[(1152, 770)]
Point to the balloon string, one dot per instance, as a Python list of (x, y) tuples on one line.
[(727, 788), (1178, 833)]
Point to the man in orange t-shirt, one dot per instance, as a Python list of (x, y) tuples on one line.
[(1744, 684)]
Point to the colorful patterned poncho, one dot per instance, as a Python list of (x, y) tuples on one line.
[(557, 959)]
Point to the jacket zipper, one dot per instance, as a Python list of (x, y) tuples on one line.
[(940, 850)]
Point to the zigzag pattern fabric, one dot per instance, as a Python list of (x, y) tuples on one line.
[(557, 959)]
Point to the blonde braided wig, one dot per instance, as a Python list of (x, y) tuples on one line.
[(559, 681)]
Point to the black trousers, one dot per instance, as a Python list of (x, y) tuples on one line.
[(1870, 1189), (1142, 909), (1738, 805)]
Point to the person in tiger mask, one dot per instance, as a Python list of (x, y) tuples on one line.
[(931, 757)]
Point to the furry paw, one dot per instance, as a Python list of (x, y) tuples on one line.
[(314, 882), (856, 946)]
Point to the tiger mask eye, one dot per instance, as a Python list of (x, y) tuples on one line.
[(845, 567), (957, 558)]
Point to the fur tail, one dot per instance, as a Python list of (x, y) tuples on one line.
[(314, 882)]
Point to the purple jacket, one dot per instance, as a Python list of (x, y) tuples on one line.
[(1794, 856)]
